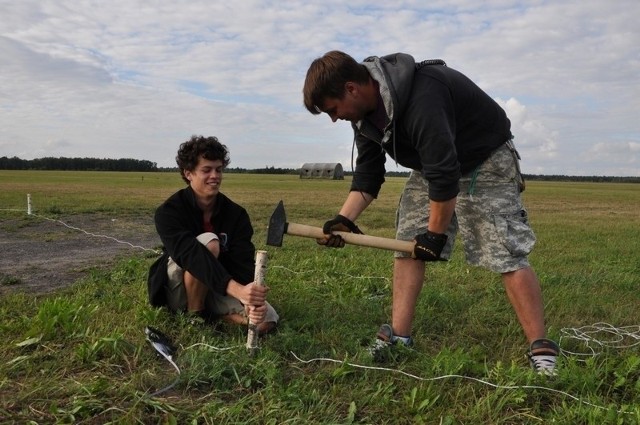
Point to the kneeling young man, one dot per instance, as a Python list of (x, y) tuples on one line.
[(207, 266)]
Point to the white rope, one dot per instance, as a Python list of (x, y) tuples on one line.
[(601, 335), (84, 231), (97, 235), (211, 347), (401, 372), (453, 376)]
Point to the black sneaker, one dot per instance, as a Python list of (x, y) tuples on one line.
[(542, 356), (380, 350)]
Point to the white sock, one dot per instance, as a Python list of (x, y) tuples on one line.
[(403, 339)]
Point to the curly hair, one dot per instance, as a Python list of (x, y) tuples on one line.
[(190, 152)]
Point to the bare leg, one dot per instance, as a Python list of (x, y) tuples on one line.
[(196, 290), (235, 318), (196, 293), (523, 290), (408, 278)]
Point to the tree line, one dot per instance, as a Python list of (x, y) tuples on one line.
[(128, 164), (77, 164), (591, 179)]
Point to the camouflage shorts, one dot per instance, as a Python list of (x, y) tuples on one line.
[(489, 216)]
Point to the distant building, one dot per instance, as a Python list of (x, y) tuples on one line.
[(322, 170)]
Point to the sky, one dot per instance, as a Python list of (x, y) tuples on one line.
[(134, 79)]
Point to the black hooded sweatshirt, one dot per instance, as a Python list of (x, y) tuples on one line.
[(439, 123), (179, 221)]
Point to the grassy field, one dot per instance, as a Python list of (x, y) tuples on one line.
[(80, 355)]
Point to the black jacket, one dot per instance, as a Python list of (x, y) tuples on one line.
[(439, 123), (179, 221)]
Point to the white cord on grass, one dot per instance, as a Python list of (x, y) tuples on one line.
[(211, 347), (385, 369), (601, 335), (96, 235), (453, 376)]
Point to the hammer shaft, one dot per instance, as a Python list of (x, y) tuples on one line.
[(351, 238)]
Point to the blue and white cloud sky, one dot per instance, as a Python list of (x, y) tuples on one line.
[(133, 78)]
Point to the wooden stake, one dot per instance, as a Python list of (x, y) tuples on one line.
[(260, 271)]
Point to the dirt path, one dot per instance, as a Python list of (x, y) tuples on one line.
[(41, 255)]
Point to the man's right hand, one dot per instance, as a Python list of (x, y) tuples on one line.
[(250, 294), (339, 223)]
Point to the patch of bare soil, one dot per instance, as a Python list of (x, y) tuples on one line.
[(40, 255)]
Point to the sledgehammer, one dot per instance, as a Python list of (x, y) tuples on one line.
[(278, 227)]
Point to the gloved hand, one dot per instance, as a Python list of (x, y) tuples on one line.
[(429, 246), (338, 223)]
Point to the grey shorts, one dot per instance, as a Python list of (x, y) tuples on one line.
[(489, 216), (216, 304)]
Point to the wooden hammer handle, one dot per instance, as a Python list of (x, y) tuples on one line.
[(351, 238)]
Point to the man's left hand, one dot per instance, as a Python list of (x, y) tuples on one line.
[(256, 313), (429, 246)]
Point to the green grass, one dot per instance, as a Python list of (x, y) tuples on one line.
[(80, 356)]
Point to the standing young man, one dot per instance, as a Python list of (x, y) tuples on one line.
[(465, 179), (207, 267)]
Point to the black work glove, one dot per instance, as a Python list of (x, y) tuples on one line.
[(429, 246), (338, 223)]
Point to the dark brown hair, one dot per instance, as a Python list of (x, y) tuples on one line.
[(327, 76), (190, 152)]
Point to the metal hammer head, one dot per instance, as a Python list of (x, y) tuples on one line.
[(277, 226)]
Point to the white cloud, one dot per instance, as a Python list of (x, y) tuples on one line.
[(134, 79), (623, 156)]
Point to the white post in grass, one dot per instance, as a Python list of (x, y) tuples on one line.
[(28, 203), (260, 271)]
